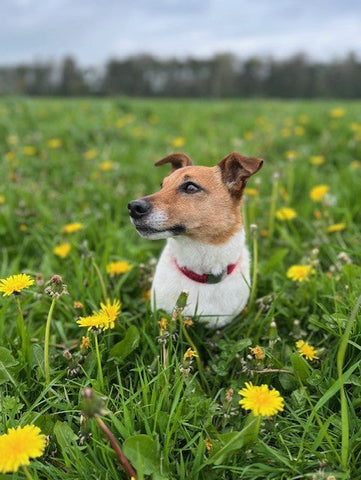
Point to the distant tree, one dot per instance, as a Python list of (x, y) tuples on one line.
[(251, 77), (71, 79), (223, 75)]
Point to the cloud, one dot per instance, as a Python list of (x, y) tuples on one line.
[(93, 31)]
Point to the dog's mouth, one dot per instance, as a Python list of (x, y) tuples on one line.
[(151, 232)]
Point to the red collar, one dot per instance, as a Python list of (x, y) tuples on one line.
[(206, 277)]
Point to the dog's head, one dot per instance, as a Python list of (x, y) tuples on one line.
[(200, 202)]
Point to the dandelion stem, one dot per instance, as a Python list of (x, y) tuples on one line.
[(26, 472), (124, 461), (255, 270), (22, 331), (100, 370), (345, 430), (198, 359), (101, 280), (272, 210), (46, 341)]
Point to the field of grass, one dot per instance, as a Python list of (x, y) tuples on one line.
[(81, 161)]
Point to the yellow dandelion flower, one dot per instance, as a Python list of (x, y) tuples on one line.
[(299, 130), (178, 142), (90, 154), (252, 192), (317, 160), (15, 283), (138, 131), (300, 273), (111, 311), (286, 213), (306, 350), (355, 164), (97, 320), (146, 295), (262, 120), (29, 150), (62, 250), (288, 121), (153, 119), (2, 199), (248, 135), (261, 400), (337, 227), (117, 268), (286, 132), (54, 143), (291, 154), (19, 445), (23, 227), (355, 126), (303, 119), (318, 192), (106, 166), (258, 352), (12, 139), (10, 156), (187, 322), (284, 194), (129, 118), (338, 112), (317, 214), (190, 354), (72, 227)]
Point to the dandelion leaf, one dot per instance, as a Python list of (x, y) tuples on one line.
[(300, 366), (126, 346), (143, 452), (7, 365)]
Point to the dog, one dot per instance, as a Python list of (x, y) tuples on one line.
[(198, 211)]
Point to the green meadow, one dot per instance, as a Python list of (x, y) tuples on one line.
[(177, 416)]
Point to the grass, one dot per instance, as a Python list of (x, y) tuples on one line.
[(176, 418)]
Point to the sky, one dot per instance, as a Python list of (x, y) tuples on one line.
[(95, 30)]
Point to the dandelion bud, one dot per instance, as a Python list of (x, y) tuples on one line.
[(229, 395), (209, 445), (189, 355), (84, 345), (258, 352), (253, 229), (67, 355), (272, 333), (92, 404), (56, 288), (344, 257), (182, 300)]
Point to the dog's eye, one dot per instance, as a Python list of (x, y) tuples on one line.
[(190, 187)]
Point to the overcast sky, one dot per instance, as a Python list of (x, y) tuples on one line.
[(95, 30)]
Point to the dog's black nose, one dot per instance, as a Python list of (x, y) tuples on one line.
[(139, 208)]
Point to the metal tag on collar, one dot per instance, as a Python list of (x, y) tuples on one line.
[(216, 278)]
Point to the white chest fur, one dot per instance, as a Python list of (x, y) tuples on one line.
[(217, 304)]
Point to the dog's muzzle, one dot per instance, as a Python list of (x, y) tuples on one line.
[(139, 208)]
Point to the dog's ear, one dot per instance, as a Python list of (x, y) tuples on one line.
[(236, 170), (177, 160)]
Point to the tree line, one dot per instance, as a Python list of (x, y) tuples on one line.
[(221, 76)]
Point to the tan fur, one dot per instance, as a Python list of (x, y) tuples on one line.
[(211, 216)]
